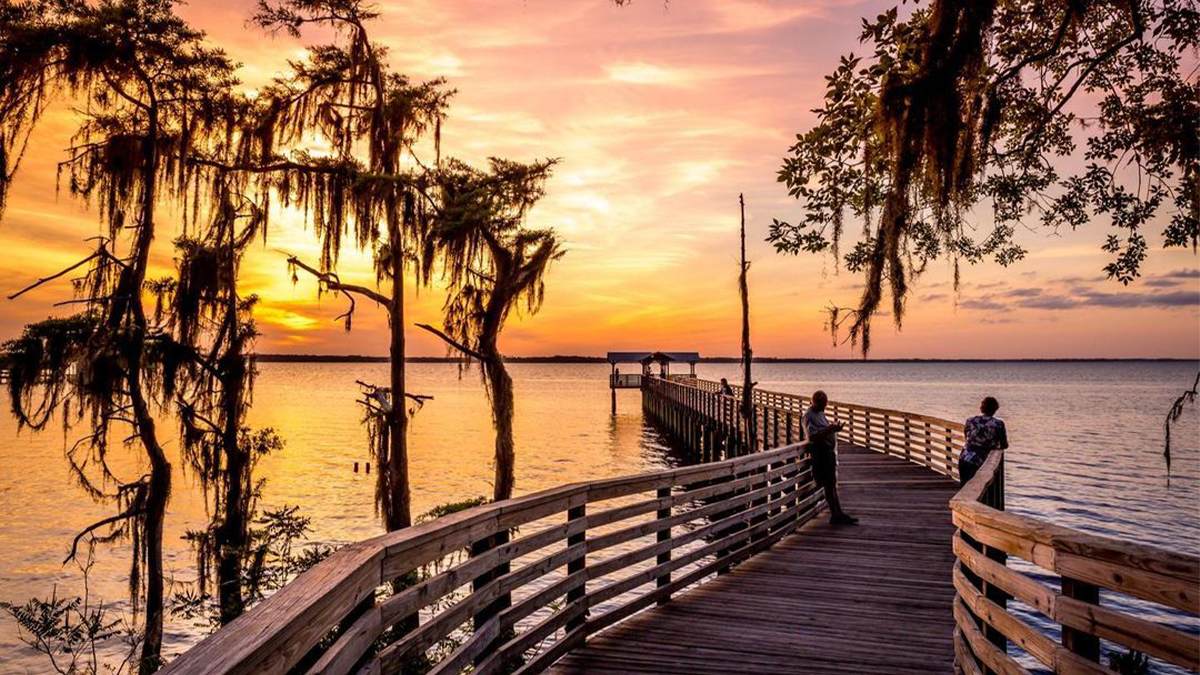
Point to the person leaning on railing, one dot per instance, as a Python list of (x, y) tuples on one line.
[(822, 452), (983, 433)]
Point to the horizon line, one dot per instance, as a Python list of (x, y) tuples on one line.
[(581, 358)]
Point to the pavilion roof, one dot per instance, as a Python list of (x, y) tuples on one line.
[(639, 357)]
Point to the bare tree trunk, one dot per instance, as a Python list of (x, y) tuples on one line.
[(156, 509), (231, 540), (159, 488), (501, 393), (398, 515), (502, 416), (747, 354), (232, 536)]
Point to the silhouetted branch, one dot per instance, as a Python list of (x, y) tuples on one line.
[(131, 512), (54, 276), (837, 317), (453, 343), (332, 282), (419, 399), (1174, 414)]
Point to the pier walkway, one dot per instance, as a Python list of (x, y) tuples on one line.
[(728, 565), (873, 598)]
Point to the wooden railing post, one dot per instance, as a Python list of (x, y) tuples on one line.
[(664, 534), (950, 453), (995, 499), (578, 592), (1087, 646), (478, 548), (766, 427)]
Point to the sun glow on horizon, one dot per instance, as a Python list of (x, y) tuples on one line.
[(660, 117)]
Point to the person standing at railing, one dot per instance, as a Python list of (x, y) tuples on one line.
[(822, 452), (726, 390), (984, 433)]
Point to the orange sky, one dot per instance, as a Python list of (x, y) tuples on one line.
[(661, 114)]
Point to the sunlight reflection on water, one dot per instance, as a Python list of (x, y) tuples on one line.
[(1086, 451)]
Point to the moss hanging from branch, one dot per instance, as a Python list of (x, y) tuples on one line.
[(491, 264), (152, 89), (965, 107)]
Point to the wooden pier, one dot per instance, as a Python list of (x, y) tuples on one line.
[(874, 598), (728, 566)]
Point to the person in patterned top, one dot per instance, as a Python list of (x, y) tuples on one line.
[(984, 433), (821, 435)]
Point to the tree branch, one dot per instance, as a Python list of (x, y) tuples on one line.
[(52, 277), (132, 512), (453, 343), (331, 282)]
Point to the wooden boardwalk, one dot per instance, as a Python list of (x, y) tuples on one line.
[(882, 597), (871, 598)]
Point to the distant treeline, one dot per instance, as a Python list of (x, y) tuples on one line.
[(363, 358)]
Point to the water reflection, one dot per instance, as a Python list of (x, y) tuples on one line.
[(1080, 454)]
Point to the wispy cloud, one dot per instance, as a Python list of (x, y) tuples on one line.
[(661, 114), (1078, 297), (647, 73)]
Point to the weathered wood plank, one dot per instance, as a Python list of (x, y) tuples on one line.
[(875, 598)]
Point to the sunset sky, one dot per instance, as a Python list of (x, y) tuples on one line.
[(661, 114)]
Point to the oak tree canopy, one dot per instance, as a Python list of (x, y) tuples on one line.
[(969, 119)]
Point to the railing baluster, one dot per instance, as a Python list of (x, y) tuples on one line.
[(1079, 642), (345, 595), (579, 592), (776, 428), (664, 534), (766, 421)]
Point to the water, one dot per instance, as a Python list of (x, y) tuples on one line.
[(1086, 452)]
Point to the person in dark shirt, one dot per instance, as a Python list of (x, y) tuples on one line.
[(726, 390), (983, 433), (822, 452)]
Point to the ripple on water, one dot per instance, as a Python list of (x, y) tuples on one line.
[(1081, 455)]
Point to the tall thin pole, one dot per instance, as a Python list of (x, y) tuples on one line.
[(747, 355)]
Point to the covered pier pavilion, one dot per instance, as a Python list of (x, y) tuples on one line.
[(647, 361)]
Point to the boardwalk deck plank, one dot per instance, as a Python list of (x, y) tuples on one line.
[(874, 598)]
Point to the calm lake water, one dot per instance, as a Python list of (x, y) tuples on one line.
[(1086, 451)]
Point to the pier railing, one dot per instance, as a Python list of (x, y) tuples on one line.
[(543, 572), (989, 636), (512, 586), (714, 424), (1086, 565), (625, 380)]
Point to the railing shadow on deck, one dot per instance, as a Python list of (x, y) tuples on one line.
[(521, 604)]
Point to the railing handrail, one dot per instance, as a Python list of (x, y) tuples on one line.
[(805, 401), (1086, 564), (278, 633), (773, 492), (987, 535), (928, 441), (965, 502)]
